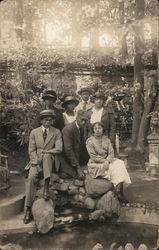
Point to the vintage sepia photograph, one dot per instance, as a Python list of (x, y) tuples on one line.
[(79, 124)]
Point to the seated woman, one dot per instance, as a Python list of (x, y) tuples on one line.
[(100, 113), (69, 104), (102, 162)]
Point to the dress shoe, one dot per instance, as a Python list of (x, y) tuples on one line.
[(27, 217), (46, 195)]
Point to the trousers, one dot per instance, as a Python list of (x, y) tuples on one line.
[(31, 182)]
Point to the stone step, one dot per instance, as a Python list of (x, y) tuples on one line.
[(16, 225), (11, 207)]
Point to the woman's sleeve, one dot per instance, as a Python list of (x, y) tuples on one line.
[(110, 156), (91, 151)]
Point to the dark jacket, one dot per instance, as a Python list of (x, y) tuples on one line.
[(71, 143)]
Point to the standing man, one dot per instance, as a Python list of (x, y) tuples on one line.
[(85, 103), (74, 142), (50, 98), (44, 144)]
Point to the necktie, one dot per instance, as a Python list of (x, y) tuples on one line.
[(45, 134), (84, 106)]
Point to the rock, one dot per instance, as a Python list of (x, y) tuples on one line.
[(73, 189), (82, 190), (43, 214), (39, 194), (98, 246), (54, 178), (96, 187), (112, 246), (109, 203), (11, 246), (79, 183), (79, 198), (143, 247), (120, 248), (61, 181), (89, 203), (129, 246), (96, 214), (61, 187)]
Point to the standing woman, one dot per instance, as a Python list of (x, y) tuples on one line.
[(69, 104), (102, 162), (99, 113)]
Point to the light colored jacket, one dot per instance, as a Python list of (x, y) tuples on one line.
[(53, 143)]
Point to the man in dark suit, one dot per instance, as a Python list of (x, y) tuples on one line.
[(45, 143), (74, 142)]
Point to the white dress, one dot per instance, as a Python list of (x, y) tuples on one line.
[(102, 152)]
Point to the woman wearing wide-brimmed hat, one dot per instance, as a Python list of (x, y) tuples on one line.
[(69, 104), (100, 113)]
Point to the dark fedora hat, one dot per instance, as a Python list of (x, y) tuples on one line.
[(68, 99), (47, 113), (100, 95), (49, 93), (86, 89)]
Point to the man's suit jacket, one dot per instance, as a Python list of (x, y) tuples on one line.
[(53, 143), (71, 142)]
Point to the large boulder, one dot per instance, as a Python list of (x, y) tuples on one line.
[(90, 203), (109, 203), (97, 187), (43, 214)]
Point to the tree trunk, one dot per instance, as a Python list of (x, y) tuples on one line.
[(124, 51), (138, 72), (149, 103)]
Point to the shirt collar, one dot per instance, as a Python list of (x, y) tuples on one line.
[(86, 101), (43, 129)]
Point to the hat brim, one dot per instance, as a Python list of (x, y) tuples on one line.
[(49, 96), (47, 115), (69, 101), (84, 91), (100, 97)]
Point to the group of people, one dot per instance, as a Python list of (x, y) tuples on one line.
[(84, 134)]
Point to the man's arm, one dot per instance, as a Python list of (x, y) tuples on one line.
[(58, 145), (33, 149)]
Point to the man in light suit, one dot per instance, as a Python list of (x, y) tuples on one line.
[(44, 144)]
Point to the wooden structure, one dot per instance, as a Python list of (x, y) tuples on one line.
[(4, 173)]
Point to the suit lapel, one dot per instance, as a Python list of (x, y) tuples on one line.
[(49, 136), (40, 132), (76, 132)]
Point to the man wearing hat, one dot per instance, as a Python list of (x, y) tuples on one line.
[(50, 98), (45, 143), (74, 142), (85, 103), (69, 104)]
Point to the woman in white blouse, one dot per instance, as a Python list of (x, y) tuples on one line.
[(69, 104)]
